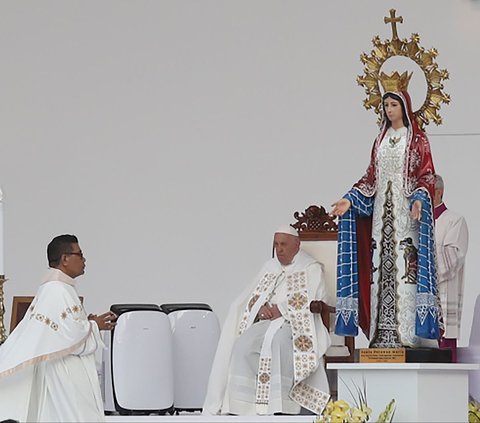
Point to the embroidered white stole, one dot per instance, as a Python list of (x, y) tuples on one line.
[(306, 361)]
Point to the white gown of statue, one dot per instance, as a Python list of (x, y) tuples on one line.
[(395, 246)]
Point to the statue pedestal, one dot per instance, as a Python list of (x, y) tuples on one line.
[(423, 392)]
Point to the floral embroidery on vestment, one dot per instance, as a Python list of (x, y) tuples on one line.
[(44, 319), (264, 380), (310, 397), (304, 356), (264, 284)]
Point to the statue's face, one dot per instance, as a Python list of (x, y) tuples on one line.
[(393, 110)]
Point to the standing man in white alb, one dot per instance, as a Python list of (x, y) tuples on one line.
[(47, 364), (451, 238), (269, 358)]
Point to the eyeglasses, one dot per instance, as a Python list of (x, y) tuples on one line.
[(79, 254)]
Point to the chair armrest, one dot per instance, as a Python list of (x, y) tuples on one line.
[(343, 353), (322, 308)]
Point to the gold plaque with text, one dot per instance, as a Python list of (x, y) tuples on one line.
[(382, 355)]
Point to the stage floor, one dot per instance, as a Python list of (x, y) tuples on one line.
[(197, 418)]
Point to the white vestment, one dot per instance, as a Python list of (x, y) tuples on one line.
[(451, 238), (47, 364), (266, 367)]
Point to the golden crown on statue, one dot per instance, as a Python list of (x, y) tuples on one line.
[(395, 82), (382, 51)]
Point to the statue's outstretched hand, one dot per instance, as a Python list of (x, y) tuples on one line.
[(416, 211), (340, 207)]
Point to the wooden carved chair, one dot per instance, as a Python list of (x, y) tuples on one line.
[(318, 236)]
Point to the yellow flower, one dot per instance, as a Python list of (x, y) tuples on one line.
[(473, 417), (473, 412), (358, 415), (366, 409), (329, 407), (338, 416), (341, 405)]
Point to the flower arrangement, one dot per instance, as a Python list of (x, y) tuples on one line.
[(473, 411), (341, 411)]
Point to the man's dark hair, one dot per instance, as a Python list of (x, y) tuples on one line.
[(58, 246)]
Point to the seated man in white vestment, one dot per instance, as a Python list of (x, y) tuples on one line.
[(47, 364), (269, 358), (451, 240)]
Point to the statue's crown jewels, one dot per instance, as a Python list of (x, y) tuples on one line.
[(395, 82)]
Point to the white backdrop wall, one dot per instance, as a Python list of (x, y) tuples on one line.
[(173, 137)]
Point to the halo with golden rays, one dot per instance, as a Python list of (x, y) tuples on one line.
[(425, 59)]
